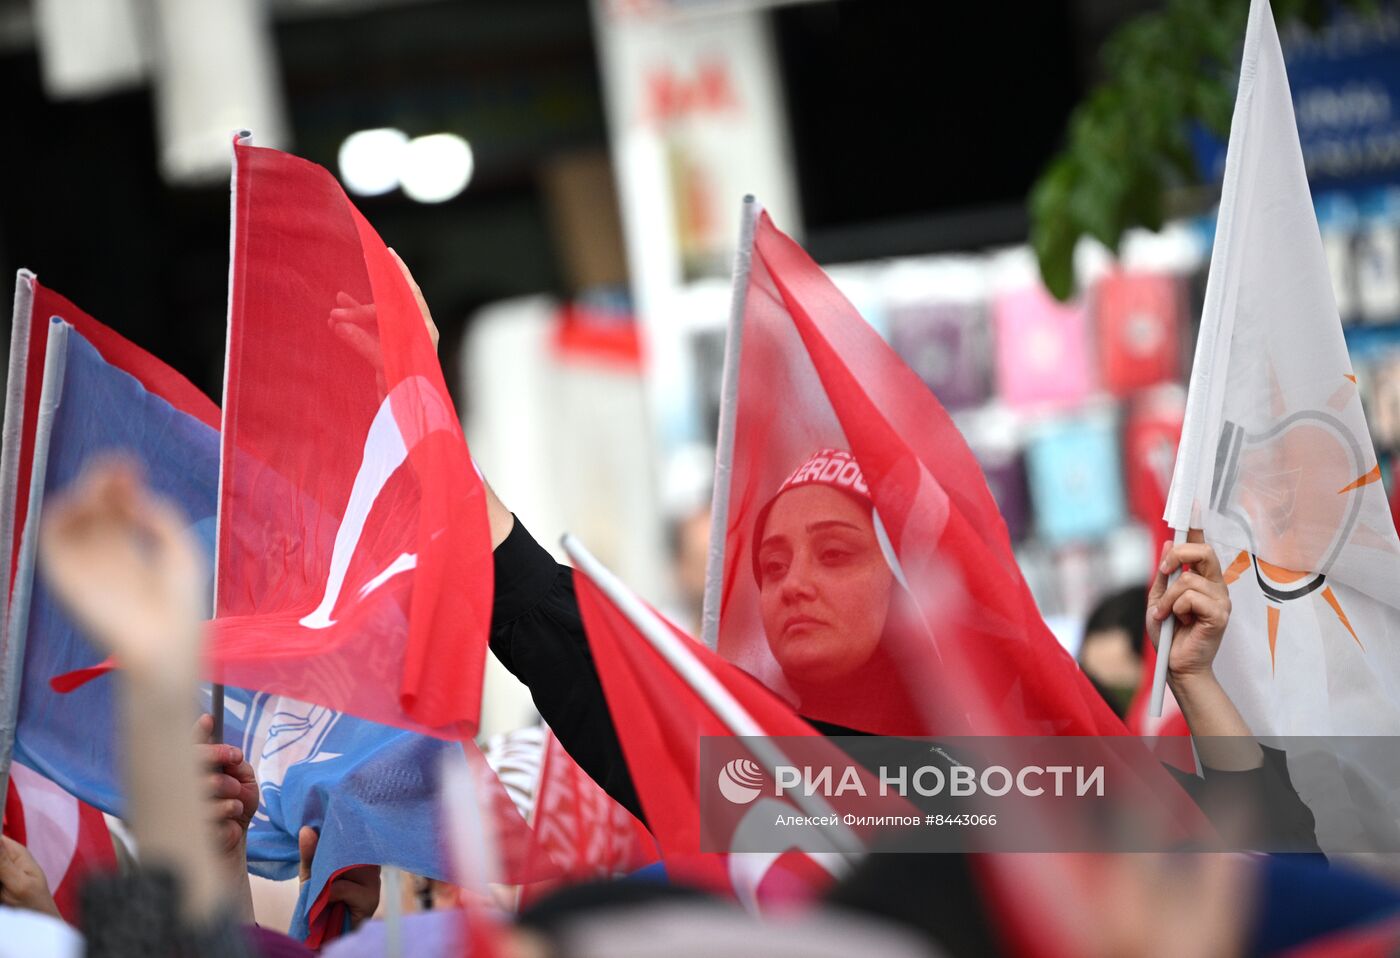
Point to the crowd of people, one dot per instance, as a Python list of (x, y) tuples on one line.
[(123, 563)]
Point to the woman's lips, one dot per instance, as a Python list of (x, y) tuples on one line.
[(801, 622)]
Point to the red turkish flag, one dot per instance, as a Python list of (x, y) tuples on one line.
[(868, 576), (354, 561), (887, 597)]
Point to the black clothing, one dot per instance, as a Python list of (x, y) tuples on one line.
[(537, 633), (138, 916)]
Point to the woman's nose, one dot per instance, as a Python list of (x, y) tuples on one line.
[(797, 584)]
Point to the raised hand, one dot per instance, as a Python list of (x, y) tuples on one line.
[(418, 298), (126, 567), (1200, 601), (357, 324), (232, 789)]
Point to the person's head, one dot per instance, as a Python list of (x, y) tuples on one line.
[(690, 544), (824, 584), (1109, 653)]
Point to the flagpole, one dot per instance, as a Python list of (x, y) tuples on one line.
[(470, 845), (245, 138), (11, 439), (17, 626), (393, 911), (703, 683), (471, 849), (1164, 645), (728, 413)]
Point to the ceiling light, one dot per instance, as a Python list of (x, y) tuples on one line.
[(435, 168), (370, 160)]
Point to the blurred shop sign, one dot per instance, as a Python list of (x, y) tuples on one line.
[(696, 116), (1345, 82), (673, 96), (696, 120)]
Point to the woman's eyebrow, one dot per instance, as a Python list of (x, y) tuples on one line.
[(773, 541), (829, 523)]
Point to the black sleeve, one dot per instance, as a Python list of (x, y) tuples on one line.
[(1261, 800), (138, 915), (537, 633)]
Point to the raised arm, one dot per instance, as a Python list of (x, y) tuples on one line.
[(344, 322), (128, 571), (1201, 603), (537, 634)]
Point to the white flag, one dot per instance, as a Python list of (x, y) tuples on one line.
[(1276, 466)]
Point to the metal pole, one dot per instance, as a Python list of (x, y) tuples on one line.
[(728, 413), (17, 627), (243, 138), (1164, 646)]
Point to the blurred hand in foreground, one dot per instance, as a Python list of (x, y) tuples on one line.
[(124, 565), (22, 881), (355, 888)]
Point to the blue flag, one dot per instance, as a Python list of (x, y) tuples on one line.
[(101, 410), (370, 790)]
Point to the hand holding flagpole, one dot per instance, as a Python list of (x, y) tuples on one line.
[(1164, 646)]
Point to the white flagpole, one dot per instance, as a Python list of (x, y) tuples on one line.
[(17, 627), (728, 412), (245, 138), (1164, 646), (470, 844), (703, 682), (393, 912), (11, 438)]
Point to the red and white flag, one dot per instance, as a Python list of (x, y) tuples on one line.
[(354, 561), (68, 838), (578, 827), (859, 564)]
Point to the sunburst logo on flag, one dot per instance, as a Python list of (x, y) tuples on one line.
[(1294, 489)]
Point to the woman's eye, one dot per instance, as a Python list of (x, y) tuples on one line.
[(773, 568), (834, 556)]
